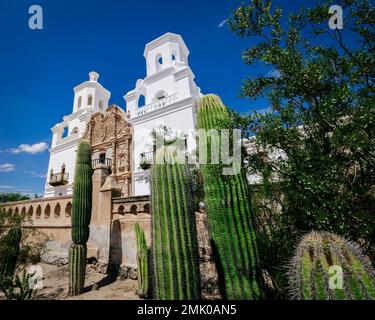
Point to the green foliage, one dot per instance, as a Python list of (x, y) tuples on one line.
[(18, 249), (310, 275), (143, 288), (227, 202), (174, 239), (21, 288), (8, 220), (317, 136), (9, 251), (12, 197), (81, 216)]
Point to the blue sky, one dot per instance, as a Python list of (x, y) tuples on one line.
[(39, 68)]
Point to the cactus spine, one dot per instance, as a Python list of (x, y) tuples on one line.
[(81, 215), (142, 261), (317, 265), (9, 251), (227, 202), (174, 238)]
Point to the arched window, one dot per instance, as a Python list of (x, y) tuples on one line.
[(38, 212), (75, 130), (173, 57), (30, 212), (47, 211), (57, 211), (79, 104), (146, 208), (141, 101), (89, 100), (100, 104), (16, 211), (121, 210), (23, 211), (68, 210), (133, 209), (159, 62), (64, 133)]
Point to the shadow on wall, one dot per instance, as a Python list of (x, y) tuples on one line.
[(115, 251)]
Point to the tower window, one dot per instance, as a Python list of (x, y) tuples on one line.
[(102, 158), (141, 101), (100, 104), (89, 100), (173, 57), (75, 130), (159, 62), (79, 104)]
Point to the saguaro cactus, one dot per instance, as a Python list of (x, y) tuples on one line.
[(227, 202), (174, 238), (315, 270), (142, 261), (81, 216), (9, 251)]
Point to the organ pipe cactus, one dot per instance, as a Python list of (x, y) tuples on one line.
[(81, 216), (227, 202), (327, 267), (174, 235), (142, 261), (9, 251)]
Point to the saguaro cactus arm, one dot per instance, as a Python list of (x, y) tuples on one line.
[(174, 239), (310, 270), (81, 216), (227, 201)]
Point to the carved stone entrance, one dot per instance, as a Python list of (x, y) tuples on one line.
[(110, 136)]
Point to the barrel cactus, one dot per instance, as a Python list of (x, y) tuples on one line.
[(174, 236), (9, 251), (227, 202), (327, 267), (81, 216), (143, 288)]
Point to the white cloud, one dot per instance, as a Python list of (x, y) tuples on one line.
[(222, 23), (36, 174), (32, 149), (6, 187), (7, 167)]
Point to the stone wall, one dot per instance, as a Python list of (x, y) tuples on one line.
[(112, 231), (52, 216)]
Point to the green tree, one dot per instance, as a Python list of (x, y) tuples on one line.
[(12, 196), (315, 147)]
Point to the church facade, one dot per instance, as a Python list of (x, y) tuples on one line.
[(122, 144), (121, 139)]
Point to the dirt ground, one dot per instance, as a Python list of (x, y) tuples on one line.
[(98, 285)]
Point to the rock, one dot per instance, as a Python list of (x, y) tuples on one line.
[(55, 258), (207, 267), (133, 274), (95, 287), (123, 273)]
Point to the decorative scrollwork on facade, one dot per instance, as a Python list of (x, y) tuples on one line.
[(111, 131)]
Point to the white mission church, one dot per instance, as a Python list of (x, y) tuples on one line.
[(167, 96)]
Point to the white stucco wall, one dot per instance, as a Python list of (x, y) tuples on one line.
[(64, 148), (176, 111), (179, 117)]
